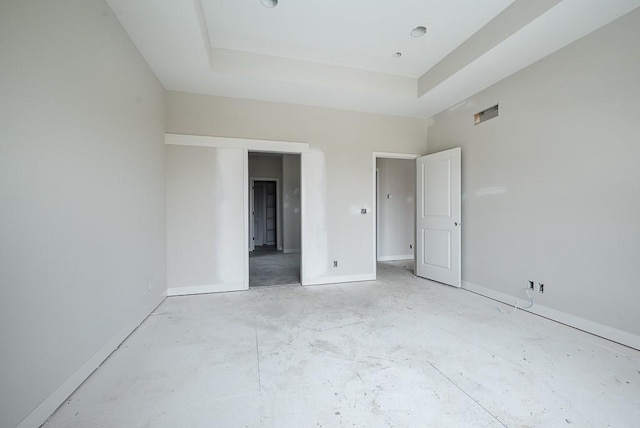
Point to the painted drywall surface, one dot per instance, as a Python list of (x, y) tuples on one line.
[(396, 208), (82, 241), (551, 187), (265, 166), (269, 166), (337, 171), (291, 203), (205, 236)]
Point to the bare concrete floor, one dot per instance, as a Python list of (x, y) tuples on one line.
[(270, 267), (396, 352)]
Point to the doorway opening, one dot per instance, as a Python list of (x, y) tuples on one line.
[(394, 200), (265, 213), (274, 219)]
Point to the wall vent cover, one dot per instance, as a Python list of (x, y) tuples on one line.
[(485, 115)]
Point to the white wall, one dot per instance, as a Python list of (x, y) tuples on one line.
[(205, 234), (396, 208), (337, 170), (291, 203), (551, 188), (269, 166), (82, 241)]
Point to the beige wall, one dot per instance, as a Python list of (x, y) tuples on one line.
[(265, 166), (291, 203), (337, 172), (551, 188), (205, 236), (81, 198)]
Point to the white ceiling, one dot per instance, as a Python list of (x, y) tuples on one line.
[(356, 34), (339, 53)]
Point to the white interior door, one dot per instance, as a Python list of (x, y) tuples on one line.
[(438, 214)]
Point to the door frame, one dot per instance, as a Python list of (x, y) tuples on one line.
[(376, 156), (252, 181), (250, 145)]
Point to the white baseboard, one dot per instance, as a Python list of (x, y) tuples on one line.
[(204, 289), (338, 279), (291, 250), (610, 333), (45, 409), (393, 258)]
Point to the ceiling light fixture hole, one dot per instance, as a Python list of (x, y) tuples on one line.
[(269, 3), (419, 31)]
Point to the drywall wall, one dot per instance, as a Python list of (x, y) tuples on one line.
[(336, 172), (265, 165), (82, 241), (269, 165), (205, 235), (551, 187), (291, 203), (396, 208)]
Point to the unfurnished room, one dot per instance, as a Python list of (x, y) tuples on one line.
[(339, 213)]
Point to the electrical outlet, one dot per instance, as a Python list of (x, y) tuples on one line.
[(335, 263), (531, 285), (540, 287)]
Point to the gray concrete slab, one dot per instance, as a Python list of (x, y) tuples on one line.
[(400, 351)]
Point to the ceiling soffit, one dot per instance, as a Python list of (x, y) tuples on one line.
[(188, 53)]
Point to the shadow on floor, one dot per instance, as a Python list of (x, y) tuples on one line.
[(270, 267), (404, 266)]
